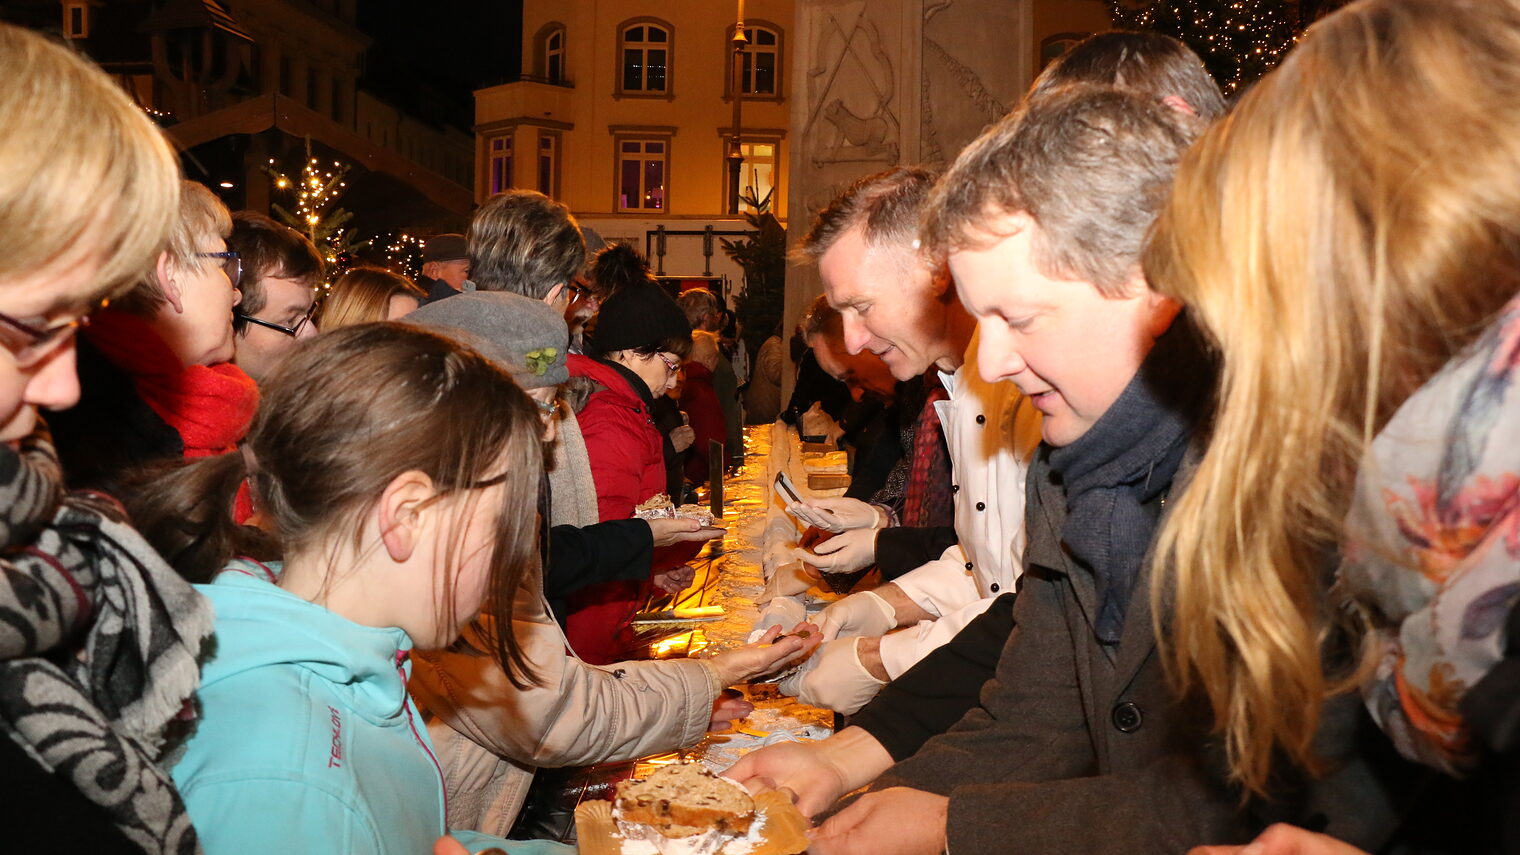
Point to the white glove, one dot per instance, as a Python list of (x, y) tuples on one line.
[(864, 613), (834, 678), (845, 552), (836, 514), (781, 611), (775, 555)]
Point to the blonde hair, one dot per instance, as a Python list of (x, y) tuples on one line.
[(1346, 231), (201, 215), (363, 295), (82, 169)]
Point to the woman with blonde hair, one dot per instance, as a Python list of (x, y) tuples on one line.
[(1348, 240), (99, 640), (365, 294)]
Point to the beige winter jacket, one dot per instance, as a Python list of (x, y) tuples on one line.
[(489, 735)]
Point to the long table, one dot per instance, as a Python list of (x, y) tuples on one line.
[(729, 574)]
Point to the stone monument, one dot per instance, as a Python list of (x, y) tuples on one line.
[(879, 83)]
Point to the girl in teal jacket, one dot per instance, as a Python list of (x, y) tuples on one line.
[(307, 740)]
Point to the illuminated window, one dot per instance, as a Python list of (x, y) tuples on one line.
[(757, 175), (500, 164), (643, 169), (644, 49)]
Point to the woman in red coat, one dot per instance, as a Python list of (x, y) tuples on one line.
[(642, 336)]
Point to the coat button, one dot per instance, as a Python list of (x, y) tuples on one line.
[(1127, 717), (995, 587), (981, 419), (968, 566), (955, 488), (981, 506)]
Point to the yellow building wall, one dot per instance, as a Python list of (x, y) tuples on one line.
[(694, 110)]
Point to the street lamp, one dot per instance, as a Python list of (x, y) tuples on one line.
[(735, 143)]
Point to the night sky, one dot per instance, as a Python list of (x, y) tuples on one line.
[(429, 56)]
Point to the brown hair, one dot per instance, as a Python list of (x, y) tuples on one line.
[(886, 206), (1091, 165), (698, 304), (201, 215), (1150, 64), (363, 295), (268, 248), (1350, 228), (82, 169), (524, 242), (823, 319), (349, 411)]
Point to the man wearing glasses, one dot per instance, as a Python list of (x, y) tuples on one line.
[(280, 272)]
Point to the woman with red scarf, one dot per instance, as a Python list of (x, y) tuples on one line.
[(154, 366)]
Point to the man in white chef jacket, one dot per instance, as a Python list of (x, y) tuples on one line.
[(896, 306)]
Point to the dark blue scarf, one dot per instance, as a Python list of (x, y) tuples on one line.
[(1114, 473)]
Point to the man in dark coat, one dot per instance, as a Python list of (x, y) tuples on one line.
[(1077, 744), (445, 267)]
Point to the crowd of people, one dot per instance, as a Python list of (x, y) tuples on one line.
[(1177, 434)]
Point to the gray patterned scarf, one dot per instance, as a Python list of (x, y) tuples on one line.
[(98, 647)]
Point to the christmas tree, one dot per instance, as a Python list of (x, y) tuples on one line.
[(314, 212)]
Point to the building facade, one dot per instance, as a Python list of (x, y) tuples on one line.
[(624, 112), (238, 82)]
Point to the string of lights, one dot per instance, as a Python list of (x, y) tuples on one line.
[(1238, 40), (402, 252)]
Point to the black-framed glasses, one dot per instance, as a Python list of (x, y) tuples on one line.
[(232, 264), (31, 344), (290, 331)]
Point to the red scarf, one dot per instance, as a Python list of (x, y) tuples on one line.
[(210, 406)]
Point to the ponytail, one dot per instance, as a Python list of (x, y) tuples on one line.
[(185, 510)]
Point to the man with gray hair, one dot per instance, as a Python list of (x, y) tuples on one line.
[(892, 303), (526, 243)]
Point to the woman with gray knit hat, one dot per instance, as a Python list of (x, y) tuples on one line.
[(489, 733)]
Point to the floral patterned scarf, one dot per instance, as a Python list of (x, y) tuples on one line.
[(1433, 545)]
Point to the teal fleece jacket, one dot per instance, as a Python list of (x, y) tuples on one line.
[(308, 741)]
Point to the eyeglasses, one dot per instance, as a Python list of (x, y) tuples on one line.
[(290, 331), (232, 263), (30, 345), (672, 364), (581, 292)]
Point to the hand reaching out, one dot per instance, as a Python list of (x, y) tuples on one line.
[(667, 532), (682, 438), (766, 656), (845, 552), (818, 773), (836, 515), (674, 580), (896, 821)]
